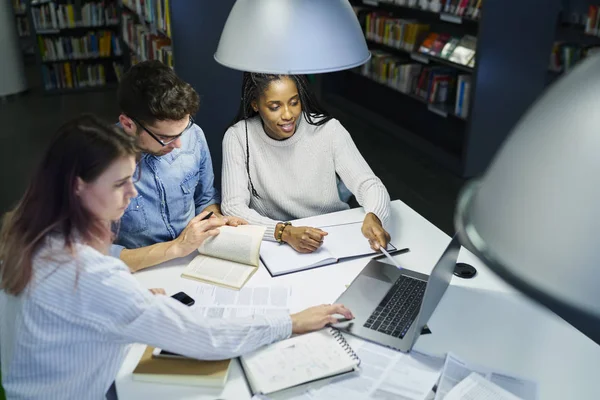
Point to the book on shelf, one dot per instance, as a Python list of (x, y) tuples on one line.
[(394, 32), (464, 53), (228, 259), (145, 44), (592, 24), (52, 16), (463, 95), (181, 370), (93, 45), (565, 56)]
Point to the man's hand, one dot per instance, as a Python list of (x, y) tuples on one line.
[(315, 318), (373, 230), (196, 232), (303, 239)]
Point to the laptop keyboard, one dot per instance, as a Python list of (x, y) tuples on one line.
[(399, 308)]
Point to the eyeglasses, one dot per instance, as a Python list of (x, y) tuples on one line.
[(171, 138)]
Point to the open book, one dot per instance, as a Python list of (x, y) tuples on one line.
[(342, 241), (298, 360), (228, 259)]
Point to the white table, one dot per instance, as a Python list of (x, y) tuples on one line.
[(482, 320)]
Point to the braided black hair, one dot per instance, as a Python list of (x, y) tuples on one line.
[(255, 84)]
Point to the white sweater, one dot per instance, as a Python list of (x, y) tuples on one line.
[(296, 178)]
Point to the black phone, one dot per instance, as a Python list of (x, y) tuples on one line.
[(183, 298)]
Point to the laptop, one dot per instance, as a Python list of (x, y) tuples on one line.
[(390, 305)]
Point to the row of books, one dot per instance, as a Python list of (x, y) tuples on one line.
[(461, 8), (155, 12), (458, 50), (146, 45), (19, 6), (72, 76), (23, 27), (434, 85), (92, 45), (564, 56), (53, 16), (395, 32)]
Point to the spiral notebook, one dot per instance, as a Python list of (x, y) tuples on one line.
[(299, 360)]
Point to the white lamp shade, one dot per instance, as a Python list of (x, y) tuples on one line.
[(292, 37), (535, 214)]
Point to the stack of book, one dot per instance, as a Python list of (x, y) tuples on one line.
[(93, 45), (455, 49)]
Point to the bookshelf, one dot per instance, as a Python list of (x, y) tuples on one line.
[(23, 28), (78, 47), (455, 108), (146, 31)]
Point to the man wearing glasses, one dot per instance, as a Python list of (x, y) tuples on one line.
[(175, 179)]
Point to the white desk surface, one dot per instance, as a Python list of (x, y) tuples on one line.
[(481, 320)]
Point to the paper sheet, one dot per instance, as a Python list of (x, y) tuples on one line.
[(214, 301), (384, 374), (476, 387), (347, 240), (456, 370)]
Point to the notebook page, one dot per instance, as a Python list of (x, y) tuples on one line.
[(282, 258), (219, 271), (348, 241), (296, 361)]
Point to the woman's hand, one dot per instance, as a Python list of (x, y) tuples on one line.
[(303, 239), (235, 221), (315, 318), (373, 230)]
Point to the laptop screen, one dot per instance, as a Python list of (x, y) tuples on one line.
[(438, 282)]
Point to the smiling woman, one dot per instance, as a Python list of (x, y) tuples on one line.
[(282, 159)]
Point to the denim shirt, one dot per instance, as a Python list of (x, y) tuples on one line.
[(172, 189)]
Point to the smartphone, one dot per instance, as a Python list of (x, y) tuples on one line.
[(183, 298), (165, 354)]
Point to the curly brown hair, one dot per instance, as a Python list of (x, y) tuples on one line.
[(151, 91)]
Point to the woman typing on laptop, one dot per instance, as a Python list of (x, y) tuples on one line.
[(68, 309), (282, 159)]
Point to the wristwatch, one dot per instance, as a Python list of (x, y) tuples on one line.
[(279, 234)]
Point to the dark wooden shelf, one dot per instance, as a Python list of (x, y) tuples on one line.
[(443, 110), (84, 59), (108, 86), (420, 57), (58, 31)]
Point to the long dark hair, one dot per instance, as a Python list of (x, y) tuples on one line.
[(84, 147), (254, 85)]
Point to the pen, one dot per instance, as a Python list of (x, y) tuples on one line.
[(384, 251), (207, 216)]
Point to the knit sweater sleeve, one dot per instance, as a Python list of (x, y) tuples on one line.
[(357, 175), (235, 185)]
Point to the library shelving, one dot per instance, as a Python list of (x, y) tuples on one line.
[(449, 77), (146, 30), (23, 28), (78, 44)]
